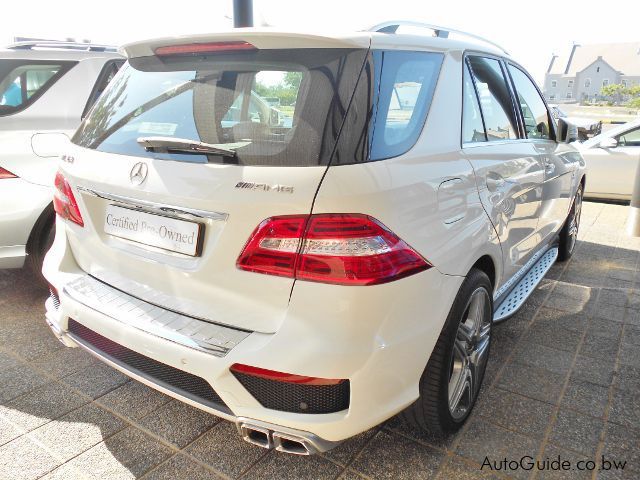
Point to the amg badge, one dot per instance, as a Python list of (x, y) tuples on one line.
[(265, 187)]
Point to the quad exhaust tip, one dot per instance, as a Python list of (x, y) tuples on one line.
[(269, 439)]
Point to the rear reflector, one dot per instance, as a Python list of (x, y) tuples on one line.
[(283, 377), (346, 249), (64, 203), (202, 48), (6, 174)]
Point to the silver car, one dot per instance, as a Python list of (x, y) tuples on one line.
[(46, 89)]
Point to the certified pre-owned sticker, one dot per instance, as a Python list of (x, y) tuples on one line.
[(154, 230)]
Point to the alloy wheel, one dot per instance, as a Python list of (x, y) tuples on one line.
[(470, 353), (574, 223)]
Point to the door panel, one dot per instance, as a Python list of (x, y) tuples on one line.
[(560, 165), (510, 178), (611, 171)]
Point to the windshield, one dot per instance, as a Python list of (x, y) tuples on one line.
[(272, 107)]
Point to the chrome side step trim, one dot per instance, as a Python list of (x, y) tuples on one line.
[(197, 334), (504, 289), (516, 298)]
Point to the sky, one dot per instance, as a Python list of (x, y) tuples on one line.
[(530, 31)]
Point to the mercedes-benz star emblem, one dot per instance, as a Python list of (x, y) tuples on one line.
[(138, 173)]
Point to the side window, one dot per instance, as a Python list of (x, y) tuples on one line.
[(630, 138), (495, 99), (407, 83), (109, 71), (22, 82), (472, 126), (534, 111)]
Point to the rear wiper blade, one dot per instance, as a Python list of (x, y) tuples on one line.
[(182, 145)]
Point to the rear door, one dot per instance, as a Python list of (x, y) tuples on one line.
[(168, 226), (508, 170)]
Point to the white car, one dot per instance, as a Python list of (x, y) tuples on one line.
[(613, 159), (308, 284), (45, 90)]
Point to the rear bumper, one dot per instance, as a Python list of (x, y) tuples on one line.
[(378, 338), (21, 204)]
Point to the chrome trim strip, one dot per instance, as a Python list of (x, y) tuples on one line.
[(211, 338), (155, 207)]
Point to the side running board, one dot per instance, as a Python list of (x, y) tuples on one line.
[(512, 303)]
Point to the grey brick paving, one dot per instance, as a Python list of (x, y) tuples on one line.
[(563, 380)]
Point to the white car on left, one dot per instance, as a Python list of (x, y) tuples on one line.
[(46, 89)]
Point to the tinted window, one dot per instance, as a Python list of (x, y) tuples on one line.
[(23, 81), (407, 83), (106, 75), (495, 99), (273, 107), (534, 111), (630, 138), (472, 126)]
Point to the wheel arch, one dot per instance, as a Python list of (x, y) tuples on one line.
[(487, 265), (48, 214)]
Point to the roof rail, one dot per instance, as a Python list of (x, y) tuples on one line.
[(54, 44), (442, 32)]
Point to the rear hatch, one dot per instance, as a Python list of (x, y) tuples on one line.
[(168, 226)]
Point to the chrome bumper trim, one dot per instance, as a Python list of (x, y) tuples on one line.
[(190, 332)]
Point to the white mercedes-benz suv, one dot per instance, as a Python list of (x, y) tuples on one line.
[(310, 273), (46, 88)]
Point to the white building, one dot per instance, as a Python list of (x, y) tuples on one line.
[(582, 74)]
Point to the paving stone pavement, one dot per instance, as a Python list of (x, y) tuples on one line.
[(563, 380)]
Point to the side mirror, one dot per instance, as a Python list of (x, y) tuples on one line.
[(274, 117), (567, 132), (608, 143)]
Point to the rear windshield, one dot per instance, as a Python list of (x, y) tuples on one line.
[(23, 81), (271, 107)]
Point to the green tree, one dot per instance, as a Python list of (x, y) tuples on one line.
[(293, 79), (613, 89)]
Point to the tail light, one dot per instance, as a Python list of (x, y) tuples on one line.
[(64, 203), (345, 249), (204, 48), (6, 174)]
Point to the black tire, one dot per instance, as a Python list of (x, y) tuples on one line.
[(569, 232), (432, 411), (40, 242)]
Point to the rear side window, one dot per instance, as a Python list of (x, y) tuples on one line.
[(407, 83), (495, 98), (272, 107), (534, 110), (23, 81), (106, 75), (472, 125)]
